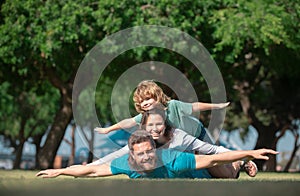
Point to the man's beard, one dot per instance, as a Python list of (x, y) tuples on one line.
[(149, 165), (143, 167)]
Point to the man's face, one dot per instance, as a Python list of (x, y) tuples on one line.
[(144, 156)]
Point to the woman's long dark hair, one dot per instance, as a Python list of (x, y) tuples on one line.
[(168, 134)]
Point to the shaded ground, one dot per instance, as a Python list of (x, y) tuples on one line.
[(25, 183)]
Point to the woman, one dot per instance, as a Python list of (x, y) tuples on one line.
[(165, 136), (153, 121)]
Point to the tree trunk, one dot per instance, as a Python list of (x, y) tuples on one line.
[(47, 153), (37, 142), (62, 119), (296, 147), (266, 138), (19, 150), (91, 147), (18, 157), (266, 134), (72, 143)]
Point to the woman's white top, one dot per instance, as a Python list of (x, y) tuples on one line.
[(180, 141)]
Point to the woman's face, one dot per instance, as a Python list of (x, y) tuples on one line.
[(155, 125)]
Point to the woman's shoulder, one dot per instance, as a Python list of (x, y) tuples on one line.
[(180, 140), (182, 135), (178, 133)]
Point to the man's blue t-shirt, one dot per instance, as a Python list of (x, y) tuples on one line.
[(170, 164)]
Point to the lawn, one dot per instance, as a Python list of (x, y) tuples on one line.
[(16, 182)]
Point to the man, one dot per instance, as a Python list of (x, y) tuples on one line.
[(144, 161)]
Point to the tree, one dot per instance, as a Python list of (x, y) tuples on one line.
[(262, 61), (25, 114), (295, 132), (34, 35), (245, 39)]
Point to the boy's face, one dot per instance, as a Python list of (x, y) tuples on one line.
[(148, 104)]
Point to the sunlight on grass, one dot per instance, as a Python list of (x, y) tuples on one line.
[(10, 176), (19, 182)]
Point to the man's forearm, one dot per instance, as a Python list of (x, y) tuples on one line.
[(231, 156), (206, 161), (91, 171), (77, 171)]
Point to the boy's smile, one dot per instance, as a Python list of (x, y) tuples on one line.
[(148, 104)]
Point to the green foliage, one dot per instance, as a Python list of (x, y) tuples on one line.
[(45, 26), (259, 23), (255, 44), (35, 110)]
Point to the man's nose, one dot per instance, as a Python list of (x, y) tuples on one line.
[(146, 156)]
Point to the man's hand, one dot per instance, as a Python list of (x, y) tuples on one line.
[(262, 153)]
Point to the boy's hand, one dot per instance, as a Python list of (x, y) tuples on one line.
[(222, 105), (102, 130)]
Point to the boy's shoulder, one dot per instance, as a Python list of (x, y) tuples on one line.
[(173, 102), (176, 103)]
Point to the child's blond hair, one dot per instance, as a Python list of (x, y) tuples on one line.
[(149, 89)]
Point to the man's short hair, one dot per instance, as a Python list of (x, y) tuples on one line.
[(138, 137)]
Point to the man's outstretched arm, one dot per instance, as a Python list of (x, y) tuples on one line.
[(78, 171), (207, 161)]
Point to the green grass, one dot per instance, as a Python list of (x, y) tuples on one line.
[(17, 182)]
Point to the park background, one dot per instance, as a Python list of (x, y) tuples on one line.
[(42, 43)]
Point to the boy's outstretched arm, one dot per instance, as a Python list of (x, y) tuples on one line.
[(78, 171), (201, 106), (124, 124), (206, 161)]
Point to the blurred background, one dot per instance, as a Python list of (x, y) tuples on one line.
[(42, 43)]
